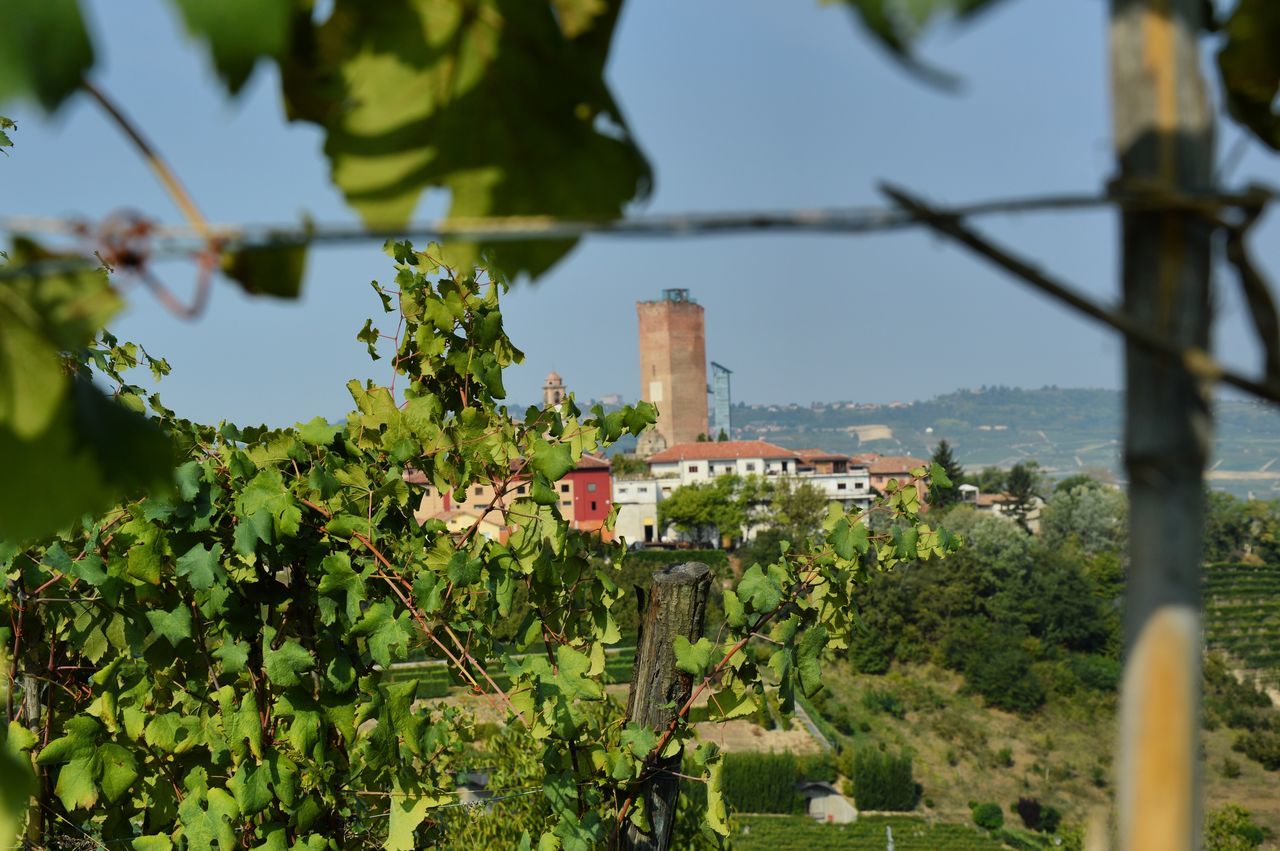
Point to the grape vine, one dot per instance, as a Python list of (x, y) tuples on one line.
[(210, 668)]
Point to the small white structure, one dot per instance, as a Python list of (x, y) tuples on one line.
[(826, 804), (852, 489), (637, 503)]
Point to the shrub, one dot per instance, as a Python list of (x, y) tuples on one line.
[(1229, 768), (1005, 680), (1004, 757), (761, 782), (882, 781), (882, 700), (1229, 828), (1261, 746), (1100, 673), (988, 816), (1028, 809), (1050, 819)]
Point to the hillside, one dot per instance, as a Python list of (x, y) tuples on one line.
[(1067, 430), (1242, 618), (1061, 755)]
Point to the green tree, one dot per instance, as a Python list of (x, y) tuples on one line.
[(1090, 517), (1024, 485), (945, 458)]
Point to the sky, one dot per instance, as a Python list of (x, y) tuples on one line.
[(740, 105)]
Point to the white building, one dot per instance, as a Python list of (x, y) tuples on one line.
[(694, 463), (637, 503), (852, 489)]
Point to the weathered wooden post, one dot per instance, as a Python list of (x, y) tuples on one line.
[(677, 604), (1164, 142)]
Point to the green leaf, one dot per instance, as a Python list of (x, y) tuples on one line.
[(849, 539), (464, 570), (496, 103), (272, 270), (428, 591), (1250, 68), (571, 678), (639, 740), (938, 476), (267, 493), (200, 565), (808, 665), (233, 654), (285, 665), (317, 431), (384, 631), (44, 50), (761, 591), (339, 578), (119, 771), (155, 842), (208, 819), (694, 659), (239, 33), (406, 814), (173, 626), (552, 460)]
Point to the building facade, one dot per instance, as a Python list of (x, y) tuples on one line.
[(691, 463), (673, 369)]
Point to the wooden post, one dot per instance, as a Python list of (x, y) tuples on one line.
[(677, 604), (1164, 142)]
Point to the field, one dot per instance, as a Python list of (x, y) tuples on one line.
[(1242, 617), (799, 833)]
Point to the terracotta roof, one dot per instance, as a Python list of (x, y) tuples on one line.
[(811, 455), (986, 499), (721, 450), (885, 464)]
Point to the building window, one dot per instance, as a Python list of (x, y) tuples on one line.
[(593, 505), (591, 487), (841, 486), (751, 468), (693, 468), (564, 489), (479, 491), (784, 466), (566, 503), (519, 488), (666, 491)]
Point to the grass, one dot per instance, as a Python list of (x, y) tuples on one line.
[(801, 833)]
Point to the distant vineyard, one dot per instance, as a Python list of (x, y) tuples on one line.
[(1242, 616)]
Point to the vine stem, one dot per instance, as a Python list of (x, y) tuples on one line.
[(157, 163)]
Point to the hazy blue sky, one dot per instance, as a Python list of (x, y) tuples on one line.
[(741, 105)]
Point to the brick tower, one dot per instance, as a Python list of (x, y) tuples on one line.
[(673, 367)]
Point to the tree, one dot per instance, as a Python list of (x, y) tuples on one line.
[(1024, 486), (1090, 517), (942, 456), (722, 437), (796, 509), (713, 510)]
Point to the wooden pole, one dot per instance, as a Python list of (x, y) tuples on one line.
[(677, 604), (1164, 139)]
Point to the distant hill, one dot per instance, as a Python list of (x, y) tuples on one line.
[(1067, 430)]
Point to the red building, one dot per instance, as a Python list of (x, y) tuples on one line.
[(592, 488)]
